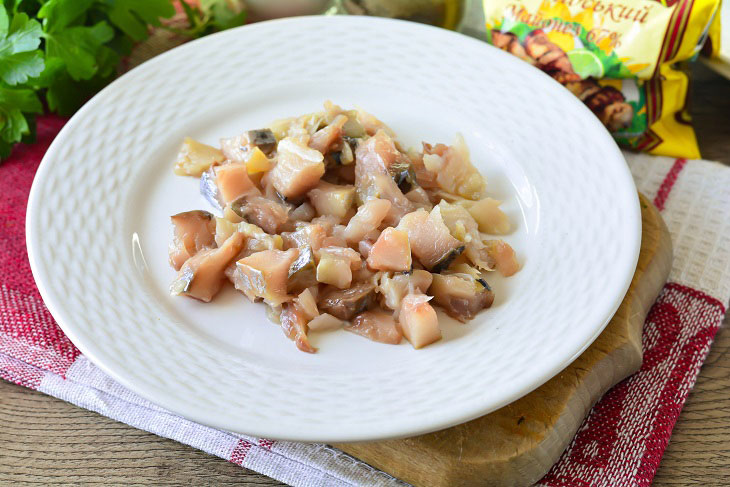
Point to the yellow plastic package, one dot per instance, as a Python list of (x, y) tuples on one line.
[(618, 56)]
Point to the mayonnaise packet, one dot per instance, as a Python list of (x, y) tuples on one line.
[(618, 56)]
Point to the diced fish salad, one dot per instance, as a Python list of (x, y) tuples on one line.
[(327, 221)]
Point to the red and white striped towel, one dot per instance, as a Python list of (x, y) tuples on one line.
[(619, 444)]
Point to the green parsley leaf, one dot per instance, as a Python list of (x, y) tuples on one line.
[(4, 20), (224, 14), (133, 16), (19, 40), (78, 48), (13, 102), (59, 14)]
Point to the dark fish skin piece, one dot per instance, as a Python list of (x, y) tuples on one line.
[(345, 304), (446, 260), (263, 139)]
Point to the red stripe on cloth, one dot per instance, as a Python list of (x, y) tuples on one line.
[(696, 294), (672, 400), (28, 332), (240, 451), (668, 183), (268, 444), (20, 373), (622, 440)]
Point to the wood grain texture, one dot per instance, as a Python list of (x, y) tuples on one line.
[(79, 447)]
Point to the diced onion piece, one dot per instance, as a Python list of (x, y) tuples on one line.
[(307, 304), (335, 271), (433, 162), (195, 158), (346, 253), (257, 162), (332, 199), (490, 218), (324, 322)]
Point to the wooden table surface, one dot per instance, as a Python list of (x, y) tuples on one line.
[(47, 441)]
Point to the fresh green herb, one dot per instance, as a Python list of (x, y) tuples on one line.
[(58, 53)]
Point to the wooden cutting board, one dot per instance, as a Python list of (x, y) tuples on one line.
[(517, 445)]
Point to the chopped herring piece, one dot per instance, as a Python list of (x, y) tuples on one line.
[(378, 326), (395, 288), (463, 227), (490, 218), (364, 247), (364, 274), (194, 231), (233, 182), (298, 198), (334, 270), (209, 189), (256, 238), (430, 239), (240, 147), (373, 159), (303, 271), (345, 304), (391, 252), (324, 138), (424, 177), (504, 257), (419, 197), (235, 148), (385, 188), (334, 241), (324, 322), (265, 274), (299, 168), (202, 275), (294, 325), (332, 199), (194, 158), (302, 213), (418, 321), (308, 234), (369, 216), (263, 212), (453, 168), (306, 303), (460, 295)]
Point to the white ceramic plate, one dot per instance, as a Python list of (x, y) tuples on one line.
[(98, 228)]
